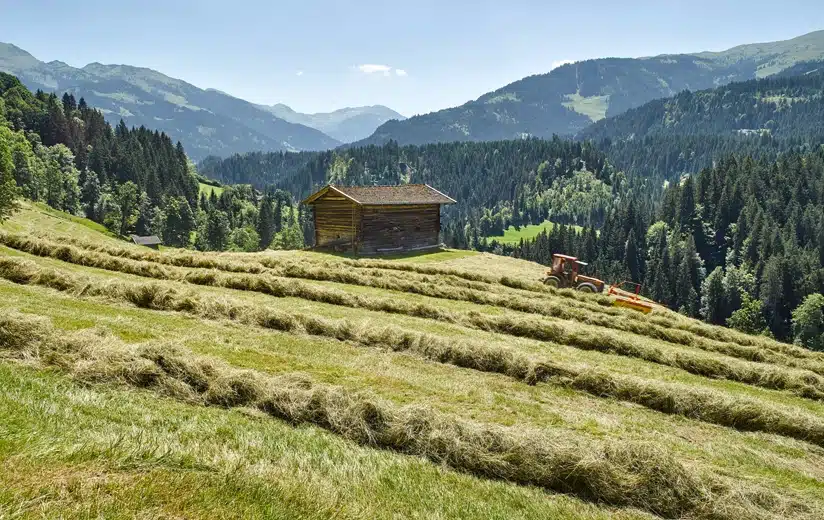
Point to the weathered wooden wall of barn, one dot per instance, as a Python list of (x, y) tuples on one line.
[(405, 226), (336, 220)]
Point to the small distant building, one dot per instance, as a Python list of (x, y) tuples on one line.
[(378, 219), (151, 241)]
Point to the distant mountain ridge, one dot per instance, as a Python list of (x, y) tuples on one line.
[(571, 97), (346, 124), (208, 122)]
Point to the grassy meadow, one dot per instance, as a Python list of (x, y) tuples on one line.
[(513, 236), (176, 384), (208, 189)]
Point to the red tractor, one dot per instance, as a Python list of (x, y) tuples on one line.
[(564, 273)]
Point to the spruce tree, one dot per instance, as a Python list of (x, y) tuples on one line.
[(662, 285), (217, 230), (686, 204), (265, 226), (89, 196), (8, 188), (776, 293), (713, 304), (145, 212), (632, 261)]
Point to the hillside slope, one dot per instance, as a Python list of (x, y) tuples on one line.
[(346, 125), (567, 99), (208, 122), (783, 106), (296, 384)]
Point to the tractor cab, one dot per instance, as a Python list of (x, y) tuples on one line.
[(564, 265), (564, 273)]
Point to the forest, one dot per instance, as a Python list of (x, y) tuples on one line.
[(739, 244), (496, 184), (61, 152)]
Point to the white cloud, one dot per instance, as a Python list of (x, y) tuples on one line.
[(371, 68), (558, 63), (300, 73), (401, 72)]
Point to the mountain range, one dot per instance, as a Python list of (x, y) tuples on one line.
[(785, 105), (571, 97), (565, 101), (346, 124), (207, 121)]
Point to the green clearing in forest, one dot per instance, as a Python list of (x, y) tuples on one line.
[(513, 236)]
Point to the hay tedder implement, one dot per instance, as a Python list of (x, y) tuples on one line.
[(564, 274)]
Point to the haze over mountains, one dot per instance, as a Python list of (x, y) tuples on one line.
[(346, 125), (207, 121)]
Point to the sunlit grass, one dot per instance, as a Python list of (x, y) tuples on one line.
[(75, 447)]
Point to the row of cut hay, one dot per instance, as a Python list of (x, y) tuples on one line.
[(661, 324), (437, 289), (804, 383), (233, 262), (625, 322), (610, 473), (708, 406), (257, 263)]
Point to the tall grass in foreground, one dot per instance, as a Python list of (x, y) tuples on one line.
[(803, 382), (612, 473), (660, 325), (708, 406)]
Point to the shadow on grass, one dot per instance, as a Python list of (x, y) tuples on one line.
[(432, 255)]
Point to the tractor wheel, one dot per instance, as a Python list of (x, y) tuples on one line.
[(587, 288), (553, 281)]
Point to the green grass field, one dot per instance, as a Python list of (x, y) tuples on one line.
[(594, 107), (178, 384), (208, 189), (513, 236)]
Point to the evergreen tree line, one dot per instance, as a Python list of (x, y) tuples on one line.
[(61, 152), (496, 184), (740, 244)]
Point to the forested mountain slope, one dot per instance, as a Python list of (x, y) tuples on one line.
[(784, 106), (567, 99), (63, 153), (207, 121), (665, 139)]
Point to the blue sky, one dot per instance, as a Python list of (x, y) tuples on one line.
[(414, 56)]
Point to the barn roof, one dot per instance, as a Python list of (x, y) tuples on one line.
[(146, 241), (386, 195)]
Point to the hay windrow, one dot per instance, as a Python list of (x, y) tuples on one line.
[(707, 406), (803, 383), (613, 473), (658, 326)]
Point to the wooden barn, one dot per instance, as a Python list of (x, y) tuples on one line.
[(378, 219)]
